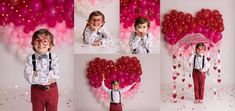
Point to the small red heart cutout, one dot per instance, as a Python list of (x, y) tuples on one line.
[(183, 80), (208, 58), (174, 66), (174, 95), (218, 80), (174, 77), (182, 97), (179, 65), (219, 70), (214, 68), (189, 85)]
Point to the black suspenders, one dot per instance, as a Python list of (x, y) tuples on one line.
[(34, 62), (112, 96), (203, 61)]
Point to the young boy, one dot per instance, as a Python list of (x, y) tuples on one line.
[(200, 68), (141, 40), (115, 95), (42, 72)]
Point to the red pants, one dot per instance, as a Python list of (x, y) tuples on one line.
[(44, 99), (199, 83), (115, 107)]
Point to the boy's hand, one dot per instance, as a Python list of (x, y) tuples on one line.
[(50, 81), (103, 77), (35, 73), (94, 28), (96, 43)]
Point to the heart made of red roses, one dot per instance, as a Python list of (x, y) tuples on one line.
[(127, 70), (177, 25)]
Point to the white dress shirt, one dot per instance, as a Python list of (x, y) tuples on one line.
[(199, 61), (116, 95), (42, 69), (102, 35), (140, 45)]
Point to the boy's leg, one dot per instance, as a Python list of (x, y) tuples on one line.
[(37, 99), (202, 85), (52, 99), (115, 107), (196, 84)]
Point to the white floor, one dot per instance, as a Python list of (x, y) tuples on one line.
[(223, 101), (81, 48), (19, 100)]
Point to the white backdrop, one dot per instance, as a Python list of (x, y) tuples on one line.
[(147, 99), (226, 7)]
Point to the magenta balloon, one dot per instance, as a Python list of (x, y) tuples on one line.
[(49, 2), (143, 3), (51, 12), (60, 1), (132, 6), (4, 8), (18, 22), (24, 11), (36, 5), (69, 5), (51, 22)]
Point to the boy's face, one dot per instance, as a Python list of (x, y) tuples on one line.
[(115, 86), (200, 50), (96, 21), (142, 28), (42, 44)]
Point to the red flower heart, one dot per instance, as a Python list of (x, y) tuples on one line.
[(126, 70), (177, 24)]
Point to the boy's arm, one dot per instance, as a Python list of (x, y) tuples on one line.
[(105, 88), (31, 76), (127, 88), (89, 36), (134, 41), (54, 73), (206, 65), (148, 42), (106, 37)]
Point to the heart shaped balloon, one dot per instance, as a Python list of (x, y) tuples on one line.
[(127, 70)]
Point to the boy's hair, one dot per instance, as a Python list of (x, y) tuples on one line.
[(115, 82), (200, 45), (94, 13), (141, 20), (43, 32)]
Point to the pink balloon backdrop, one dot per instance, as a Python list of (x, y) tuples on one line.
[(131, 9), (182, 32), (127, 70), (20, 18)]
